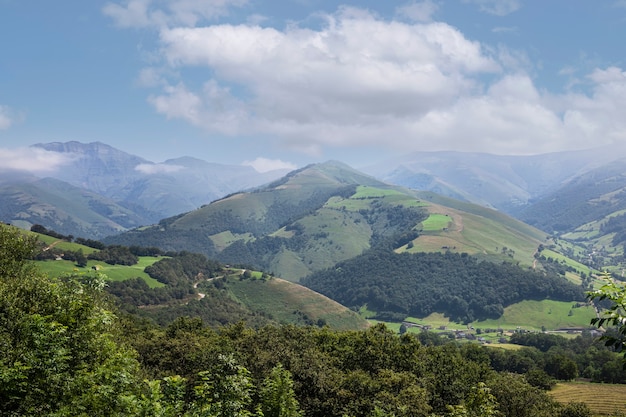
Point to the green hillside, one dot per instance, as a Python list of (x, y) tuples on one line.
[(587, 216), (323, 214), (175, 286), (112, 272), (66, 208), (287, 302)]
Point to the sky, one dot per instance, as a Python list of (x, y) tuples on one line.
[(284, 83)]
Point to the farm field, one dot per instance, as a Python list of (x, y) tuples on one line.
[(532, 315), (528, 315), (113, 272), (436, 222), (602, 399)]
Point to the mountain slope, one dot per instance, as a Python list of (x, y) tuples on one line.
[(507, 183), (588, 197), (189, 284), (588, 217), (457, 285), (102, 191), (323, 214), (161, 189), (64, 208)]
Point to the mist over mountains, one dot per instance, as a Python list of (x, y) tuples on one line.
[(504, 182), (103, 191)]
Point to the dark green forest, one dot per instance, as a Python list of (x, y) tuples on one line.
[(458, 285)]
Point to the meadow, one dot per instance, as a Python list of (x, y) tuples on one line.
[(113, 272), (528, 315), (62, 244), (288, 302)]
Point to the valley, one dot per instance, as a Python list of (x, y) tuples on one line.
[(320, 216), (335, 255)]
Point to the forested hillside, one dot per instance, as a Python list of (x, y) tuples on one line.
[(458, 285), (67, 351)]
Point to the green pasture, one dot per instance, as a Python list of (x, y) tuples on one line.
[(436, 222), (558, 257), (113, 272), (429, 243), (360, 201), (292, 265), (226, 238), (532, 315), (62, 244), (334, 236), (349, 204), (602, 399), (490, 236), (476, 235), (365, 191), (528, 315), (280, 299)]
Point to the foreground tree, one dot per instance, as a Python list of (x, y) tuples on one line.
[(615, 315), (58, 349), (277, 394)]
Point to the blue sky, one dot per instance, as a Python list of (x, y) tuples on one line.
[(288, 82)]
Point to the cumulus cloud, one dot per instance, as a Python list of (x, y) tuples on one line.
[(34, 160), (363, 80), (146, 13), (315, 87), (151, 169), (265, 165)]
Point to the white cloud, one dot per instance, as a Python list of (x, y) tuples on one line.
[(151, 169), (213, 108), (35, 160), (265, 165), (362, 80), (159, 13), (150, 77), (419, 11), (315, 88), (8, 117), (497, 7)]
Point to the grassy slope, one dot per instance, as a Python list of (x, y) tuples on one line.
[(281, 299), (477, 233), (113, 272), (529, 315), (603, 399), (62, 244)]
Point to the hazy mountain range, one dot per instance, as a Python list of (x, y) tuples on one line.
[(104, 191), (506, 183), (323, 222)]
